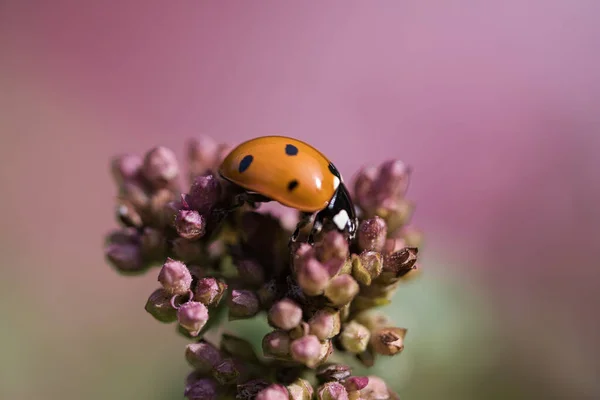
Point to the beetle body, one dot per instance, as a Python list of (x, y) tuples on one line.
[(294, 174)]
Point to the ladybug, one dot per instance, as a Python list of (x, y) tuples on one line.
[(294, 174)]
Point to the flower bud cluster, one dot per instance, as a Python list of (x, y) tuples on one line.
[(220, 258)]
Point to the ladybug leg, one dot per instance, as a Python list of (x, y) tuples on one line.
[(317, 226), (304, 220)]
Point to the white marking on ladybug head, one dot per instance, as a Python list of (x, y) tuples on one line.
[(341, 219), (336, 182)]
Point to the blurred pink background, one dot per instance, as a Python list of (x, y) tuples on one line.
[(494, 104)]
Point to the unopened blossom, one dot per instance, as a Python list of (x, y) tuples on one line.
[(226, 372), (273, 392), (332, 391), (325, 323), (159, 306), (203, 356), (285, 314), (341, 290), (300, 389), (276, 344), (243, 304), (209, 291), (306, 350), (388, 341), (355, 337), (312, 276), (190, 224), (367, 266), (372, 234), (126, 167), (175, 277), (160, 167), (192, 316), (202, 389)]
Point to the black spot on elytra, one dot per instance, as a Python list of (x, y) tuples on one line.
[(291, 150), (333, 170), (245, 163), (292, 185)]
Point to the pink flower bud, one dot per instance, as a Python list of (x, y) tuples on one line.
[(192, 316), (273, 392), (285, 314), (175, 277), (341, 290), (160, 167), (372, 234), (210, 291), (203, 356), (190, 224), (332, 391), (306, 350), (276, 344), (243, 304)]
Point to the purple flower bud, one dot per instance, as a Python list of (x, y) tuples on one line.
[(226, 372), (159, 306), (285, 314), (312, 277), (372, 233), (356, 383), (249, 390), (388, 341), (126, 258), (204, 193), (210, 291), (276, 344), (188, 251), (251, 272), (125, 168), (355, 337), (300, 389), (376, 389), (192, 316), (243, 304), (175, 277), (160, 167), (239, 348), (325, 324), (333, 372), (400, 262), (306, 350), (392, 181), (363, 187), (273, 392), (202, 389), (203, 356), (190, 224), (367, 266), (341, 290), (332, 391), (332, 246)]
